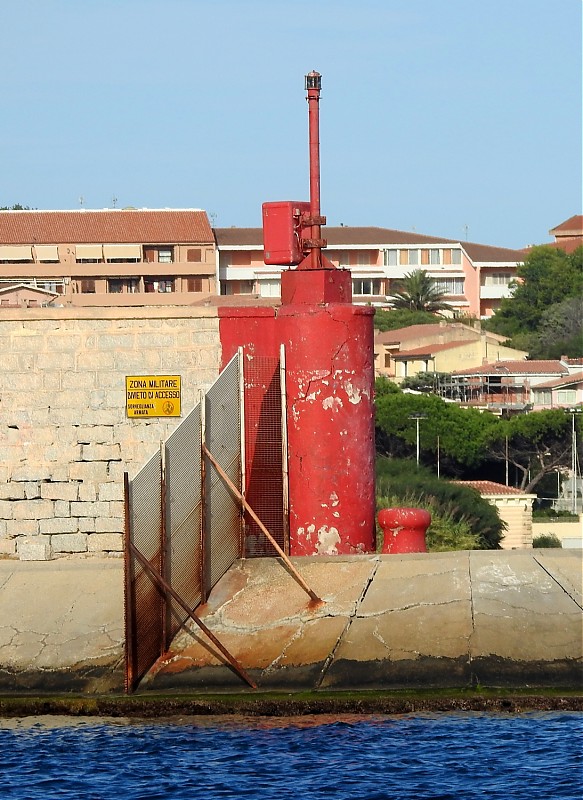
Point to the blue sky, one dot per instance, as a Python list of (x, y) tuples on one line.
[(455, 118)]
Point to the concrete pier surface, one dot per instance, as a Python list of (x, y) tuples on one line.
[(491, 618)]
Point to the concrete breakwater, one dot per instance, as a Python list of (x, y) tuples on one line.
[(494, 618)]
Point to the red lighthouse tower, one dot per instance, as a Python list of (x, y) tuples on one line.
[(329, 376)]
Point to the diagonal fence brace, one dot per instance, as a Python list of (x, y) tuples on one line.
[(313, 596), (165, 588)]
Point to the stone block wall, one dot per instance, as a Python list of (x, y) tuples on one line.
[(65, 439)]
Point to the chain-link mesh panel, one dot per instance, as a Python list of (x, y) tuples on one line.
[(147, 603), (223, 439), (183, 518), (169, 534), (263, 454)]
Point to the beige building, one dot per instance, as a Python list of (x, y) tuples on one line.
[(440, 348), (514, 507), (113, 257)]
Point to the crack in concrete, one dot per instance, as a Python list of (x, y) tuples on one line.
[(396, 609), (357, 604), (560, 585), (473, 618)]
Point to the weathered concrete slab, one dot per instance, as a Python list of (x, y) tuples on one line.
[(444, 619), (524, 619), (416, 608), (61, 624)]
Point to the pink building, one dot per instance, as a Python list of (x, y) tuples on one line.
[(473, 277)]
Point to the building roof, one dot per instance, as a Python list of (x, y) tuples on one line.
[(568, 380), (430, 349), (398, 335), (345, 235), (571, 227), (14, 287), (491, 487), (522, 367), (136, 226)]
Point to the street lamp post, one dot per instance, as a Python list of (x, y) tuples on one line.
[(573, 412), (417, 417)]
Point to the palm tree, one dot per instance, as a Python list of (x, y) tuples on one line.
[(417, 291)]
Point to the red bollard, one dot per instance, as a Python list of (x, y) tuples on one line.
[(404, 529)]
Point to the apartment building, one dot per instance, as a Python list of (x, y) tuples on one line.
[(473, 277), (439, 348), (518, 385), (112, 257)]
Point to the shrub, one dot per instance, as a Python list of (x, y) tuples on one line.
[(546, 540), (445, 532), (462, 518)]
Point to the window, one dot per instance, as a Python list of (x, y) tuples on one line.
[(456, 256), (122, 285), (12, 253), (88, 253), (434, 256), (164, 256), (542, 397), (48, 286), (236, 287), (566, 396), (114, 286), (88, 286), (390, 258), (366, 286), (452, 286), (413, 257), (425, 257), (497, 279), (158, 284), (122, 253), (46, 253), (194, 284), (194, 254), (269, 288)]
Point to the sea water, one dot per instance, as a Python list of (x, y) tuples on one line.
[(438, 756)]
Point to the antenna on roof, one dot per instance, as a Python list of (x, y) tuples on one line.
[(81, 201), (466, 229), (114, 201)]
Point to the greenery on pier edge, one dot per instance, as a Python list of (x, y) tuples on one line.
[(460, 518)]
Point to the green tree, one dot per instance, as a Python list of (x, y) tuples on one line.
[(15, 207), (458, 433), (560, 331), (547, 277), (536, 444), (383, 385), (417, 291)]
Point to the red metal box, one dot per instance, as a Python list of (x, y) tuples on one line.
[(282, 231)]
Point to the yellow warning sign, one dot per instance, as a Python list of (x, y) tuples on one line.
[(153, 395)]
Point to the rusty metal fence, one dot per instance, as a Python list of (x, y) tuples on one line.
[(183, 526), (265, 466), (216, 491)]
